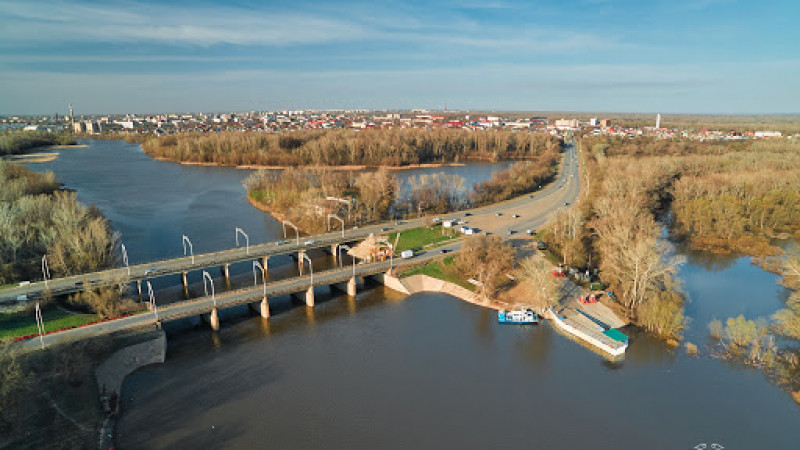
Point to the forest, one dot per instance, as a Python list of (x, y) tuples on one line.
[(735, 197), (14, 142), (38, 218), (370, 147)]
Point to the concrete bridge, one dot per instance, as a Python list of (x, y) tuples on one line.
[(256, 297), (184, 265)]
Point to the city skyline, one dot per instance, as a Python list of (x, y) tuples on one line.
[(706, 57)]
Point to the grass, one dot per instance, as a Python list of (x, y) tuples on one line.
[(6, 286), (259, 195), (439, 269), (418, 237), (20, 324)]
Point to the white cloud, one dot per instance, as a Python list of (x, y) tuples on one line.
[(201, 25)]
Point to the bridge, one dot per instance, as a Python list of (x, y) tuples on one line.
[(257, 297), (183, 265), (505, 218)]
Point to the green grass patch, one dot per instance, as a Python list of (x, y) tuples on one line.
[(21, 324), (439, 269), (418, 237), (259, 195), (6, 286)]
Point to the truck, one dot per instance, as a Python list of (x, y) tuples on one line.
[(405, 254)]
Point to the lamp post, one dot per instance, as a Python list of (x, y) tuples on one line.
[(206, 276), (152, 300), (40, 324), (45, 271), (258, 265), (125, 258), (246, 238), (391, 252), (191, 248), (310, 266), (339, 251), (296, 231), (331, 216)]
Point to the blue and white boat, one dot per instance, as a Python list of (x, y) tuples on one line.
[(519, 316)]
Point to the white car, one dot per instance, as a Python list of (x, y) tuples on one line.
[(309, 242)]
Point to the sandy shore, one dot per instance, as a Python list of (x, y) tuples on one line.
[(350, 168), (32, 158), (39, 155)]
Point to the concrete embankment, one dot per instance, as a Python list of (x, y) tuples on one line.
[(111, 373), (424, 283)]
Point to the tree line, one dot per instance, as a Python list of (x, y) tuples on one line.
[(371, 147), (15, 141), (306, 196)]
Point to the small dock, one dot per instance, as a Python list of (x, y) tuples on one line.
[(592, 323)]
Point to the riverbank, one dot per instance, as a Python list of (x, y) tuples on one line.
[(341, 168), (111, 374), (39, 154)]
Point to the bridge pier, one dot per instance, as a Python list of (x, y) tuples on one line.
[(185, 283), (214, 319), (301, 260), (334, 253), (139, 288), (226, 273), (310, 296), (265, 308), (351, 287)]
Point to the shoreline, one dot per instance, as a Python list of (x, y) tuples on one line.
[(347, 167), (39, 154)]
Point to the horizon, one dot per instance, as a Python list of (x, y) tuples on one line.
[(711, 57)]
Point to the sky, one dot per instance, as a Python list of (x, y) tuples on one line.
[(676, 56)]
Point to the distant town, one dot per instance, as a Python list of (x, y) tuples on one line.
[(287, 120)]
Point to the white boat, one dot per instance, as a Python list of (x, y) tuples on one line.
[(520, 316)]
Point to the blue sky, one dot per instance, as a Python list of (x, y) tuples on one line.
[(678, 56)]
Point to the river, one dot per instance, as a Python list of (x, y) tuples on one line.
[(425, 371)]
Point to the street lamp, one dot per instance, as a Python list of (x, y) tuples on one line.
[(125, 258), (45, 271), (246, 238), (296, 231), (206, 276), (258, 265), (152, 300), (339, 250), (310, 266), (191, 248), (40, 324), (331, 216), (391, 251)]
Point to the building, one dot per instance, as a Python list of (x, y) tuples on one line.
[(79, 127), (605, 123), (566, 124)]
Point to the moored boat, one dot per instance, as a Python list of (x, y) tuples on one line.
[(519, 316)]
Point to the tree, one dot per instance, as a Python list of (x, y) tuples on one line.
[(485, 258), (537, 273), (787, 320)]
